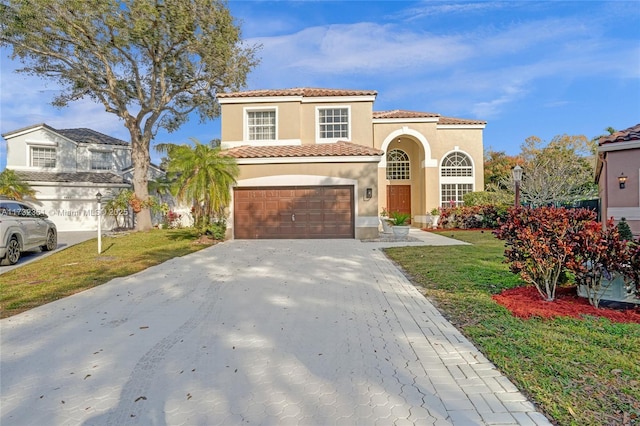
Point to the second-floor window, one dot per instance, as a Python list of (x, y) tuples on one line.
[(43, 157), (261, 125), (101, 160), (333, 123)]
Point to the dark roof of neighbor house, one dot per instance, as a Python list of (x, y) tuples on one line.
[(90, 136), (630, 134), (338, 149), (299, 91), (69, 177), (81, 135), (398, 113)]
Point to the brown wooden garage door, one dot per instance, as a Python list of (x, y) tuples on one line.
[(294, 212)]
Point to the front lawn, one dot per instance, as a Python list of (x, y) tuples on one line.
[(79, 267), (579, 371)]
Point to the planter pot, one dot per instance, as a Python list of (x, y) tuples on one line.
[(386, 227), (401, 230), (434, 220)]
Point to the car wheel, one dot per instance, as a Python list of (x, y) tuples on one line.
[(52, 241), (13, 252)]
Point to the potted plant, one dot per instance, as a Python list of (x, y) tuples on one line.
[(384, 221), (400, 224), (434, 215)]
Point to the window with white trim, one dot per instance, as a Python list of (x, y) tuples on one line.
[(398, 165), (456, 178), (43, 157), (261, 125), (333, 123), (101, 160), (453, 193), (457, 164)]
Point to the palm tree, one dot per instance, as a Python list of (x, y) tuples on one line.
[(13, 187), (202, 177)]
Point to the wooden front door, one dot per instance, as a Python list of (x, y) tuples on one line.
[(399, 198)]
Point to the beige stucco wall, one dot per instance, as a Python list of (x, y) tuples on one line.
[(427, 144), (358, 175), (295, 122)]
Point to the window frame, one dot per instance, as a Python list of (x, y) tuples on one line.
[(332, 139), (247, 126), (458, 180), (36, 148), (92, 161), (401, 170)]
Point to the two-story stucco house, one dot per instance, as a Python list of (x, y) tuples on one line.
[(67, 168), (321, 163)]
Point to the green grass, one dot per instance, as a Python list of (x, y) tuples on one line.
[(578, 371), (79, 267)]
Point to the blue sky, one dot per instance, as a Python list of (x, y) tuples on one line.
[(540, 68)]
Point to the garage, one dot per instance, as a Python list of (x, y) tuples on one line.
[(293, 212)]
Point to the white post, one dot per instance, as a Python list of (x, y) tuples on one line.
[(99, 198)]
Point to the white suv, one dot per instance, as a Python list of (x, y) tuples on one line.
[(23, 228)]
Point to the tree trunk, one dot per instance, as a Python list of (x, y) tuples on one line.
[(140, 160)]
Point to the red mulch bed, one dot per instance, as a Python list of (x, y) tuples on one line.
[(526, 302)]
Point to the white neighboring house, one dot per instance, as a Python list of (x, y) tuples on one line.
[(67, 168)]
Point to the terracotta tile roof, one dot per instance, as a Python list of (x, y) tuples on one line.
[(453, 120), (300, 91), (338, 149), (630, 134), (69, 177), (398, 113)]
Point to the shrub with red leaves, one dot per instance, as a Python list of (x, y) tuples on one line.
[(539, 243)]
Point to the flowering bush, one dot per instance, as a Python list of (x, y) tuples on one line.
[(470, 217), (539, 243), (172, 219)]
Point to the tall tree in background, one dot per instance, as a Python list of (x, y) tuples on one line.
[(560, 171), (202, 178), (150, 62), (498, 168), (13, 187)]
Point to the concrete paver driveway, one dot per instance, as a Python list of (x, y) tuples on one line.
[(252, 332)]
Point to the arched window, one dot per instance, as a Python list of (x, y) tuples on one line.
[(456, 178), (456, 164), (398, 167)]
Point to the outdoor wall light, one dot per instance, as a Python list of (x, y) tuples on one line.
[(368, 193), (622, 181)]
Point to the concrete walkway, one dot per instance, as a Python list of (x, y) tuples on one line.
[(315, 332)]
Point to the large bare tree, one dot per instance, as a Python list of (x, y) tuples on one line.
[(558, 171), (150, 62)]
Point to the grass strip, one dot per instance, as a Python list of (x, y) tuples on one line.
[(79, 267), (578, 371)]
